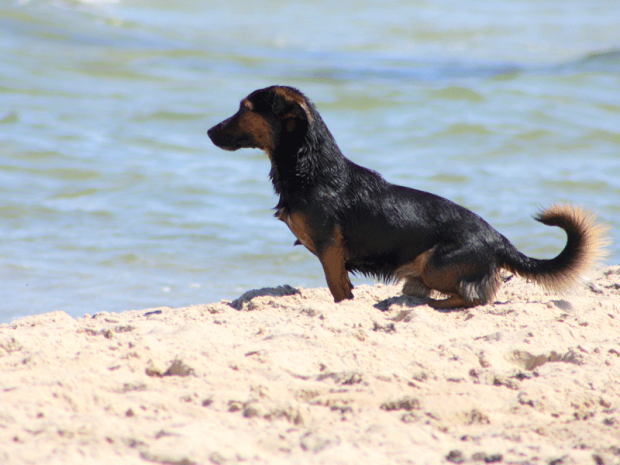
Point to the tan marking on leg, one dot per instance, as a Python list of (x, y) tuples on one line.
[(445, 279), (298, 226), (421, 277), (332, 259), (414, 286), (454, 301), (453, 280), (414, 268)]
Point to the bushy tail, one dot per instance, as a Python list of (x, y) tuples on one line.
[(584, 248)]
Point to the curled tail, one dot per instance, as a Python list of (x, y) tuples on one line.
[(584, 248)]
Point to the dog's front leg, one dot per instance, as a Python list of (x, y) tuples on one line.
[(332, 256)]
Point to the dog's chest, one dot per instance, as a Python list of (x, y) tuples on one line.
[(296, 222)]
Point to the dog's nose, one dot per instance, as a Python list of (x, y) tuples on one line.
[(213, 131)]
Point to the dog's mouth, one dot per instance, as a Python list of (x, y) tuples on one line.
[(224, 140)]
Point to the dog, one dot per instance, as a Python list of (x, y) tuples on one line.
[(355, 221)]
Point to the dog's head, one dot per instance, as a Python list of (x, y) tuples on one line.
[(266, 118)]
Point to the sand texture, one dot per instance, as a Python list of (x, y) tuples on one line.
[(287, 376)]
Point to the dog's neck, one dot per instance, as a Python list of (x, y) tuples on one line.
[(305, 161)]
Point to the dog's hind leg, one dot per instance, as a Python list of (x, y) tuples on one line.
[(454, 301), (468, 282), (412, 274), (467, 285), (414, 286)]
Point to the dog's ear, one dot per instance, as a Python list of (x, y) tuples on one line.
[(292, 109), (296, 117)]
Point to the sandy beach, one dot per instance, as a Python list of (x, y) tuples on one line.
[(285, 376)]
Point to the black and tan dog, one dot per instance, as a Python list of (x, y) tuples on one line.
[(354, 220)]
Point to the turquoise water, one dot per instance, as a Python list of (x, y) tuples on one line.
[(113, 198)]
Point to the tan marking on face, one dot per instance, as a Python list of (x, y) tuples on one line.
[(259, 128), (247, 104)]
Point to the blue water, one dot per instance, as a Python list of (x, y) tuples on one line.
[(113, 198)]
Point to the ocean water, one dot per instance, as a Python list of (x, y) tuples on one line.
[(113, 198)]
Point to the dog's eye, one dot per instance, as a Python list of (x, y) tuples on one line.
[(247, 105)]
